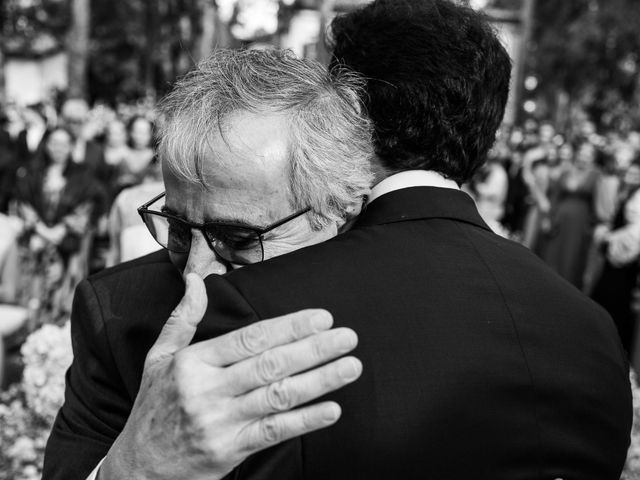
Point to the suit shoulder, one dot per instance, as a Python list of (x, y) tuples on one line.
[(140, 266), (295, 265)]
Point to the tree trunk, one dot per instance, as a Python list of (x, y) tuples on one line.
[(223, 37), (206, 33), (327, 8), (152, 24), (78, 48)]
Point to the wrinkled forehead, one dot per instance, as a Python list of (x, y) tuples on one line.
[(242, 167), (245, 147)]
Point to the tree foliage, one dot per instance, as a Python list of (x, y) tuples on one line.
[(137, 48), (588, 49)]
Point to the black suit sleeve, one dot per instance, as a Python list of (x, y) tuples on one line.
[(96, 404)]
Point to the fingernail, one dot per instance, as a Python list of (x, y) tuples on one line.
[(349, 369), (321, 320), (331, 413), (347, 340)]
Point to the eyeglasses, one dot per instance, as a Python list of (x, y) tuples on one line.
[(234, 242)]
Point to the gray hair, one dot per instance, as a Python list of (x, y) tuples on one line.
[(330, 146)]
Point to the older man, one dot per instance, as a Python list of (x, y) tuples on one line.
[(262, 154), (478, 362)]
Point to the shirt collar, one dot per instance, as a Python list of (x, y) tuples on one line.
[(410, 178)]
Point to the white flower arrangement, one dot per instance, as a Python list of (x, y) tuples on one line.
[(28, 409), (632, 467), (47, 355)]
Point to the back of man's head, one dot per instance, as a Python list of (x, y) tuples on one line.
[(437, 82)]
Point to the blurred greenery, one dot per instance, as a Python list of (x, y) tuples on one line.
[(587, 52), (583, 52)]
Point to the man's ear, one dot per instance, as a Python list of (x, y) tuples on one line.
[(351, 214)]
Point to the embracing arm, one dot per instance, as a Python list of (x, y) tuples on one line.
[(203, 408)]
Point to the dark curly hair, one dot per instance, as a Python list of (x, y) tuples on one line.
[(437, 82)]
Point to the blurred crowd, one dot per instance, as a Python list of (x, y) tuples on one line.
[(71, 179), (573, 198), (70, 182)]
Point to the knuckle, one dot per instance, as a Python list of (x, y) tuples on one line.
[(279, 397), (181, 361), (299, 328), (177, 312), (252, 339), (328, 378), (308, 421), (180, 367), (154, 355), (217, 451), (271, 431), (270, 367), (318, 347)]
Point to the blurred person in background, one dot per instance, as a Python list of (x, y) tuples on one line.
[(55, 198), (573, 216), (12, 316), (606, 203), (517, 201), (611, 178), (129, 237), (7, 164), (489, 188), (30, 130), (116, 153), (536, 166), (141, 152), (116, 149), (530, 133), (30, 141), (619, 242), (132, 153), (74, 117), (546, 135)]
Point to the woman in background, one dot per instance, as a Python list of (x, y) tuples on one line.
[(128, 235), (116, 153), (566, 244), (141, 152), (12, 316), (55, 198), (620, 245)]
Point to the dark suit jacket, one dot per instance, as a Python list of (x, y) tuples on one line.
[(479, 361)]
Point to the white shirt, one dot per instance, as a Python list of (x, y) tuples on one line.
[(411, 178), (398, 181)]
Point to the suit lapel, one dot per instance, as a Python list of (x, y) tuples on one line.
[(416, 203)]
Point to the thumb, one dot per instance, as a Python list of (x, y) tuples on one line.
[(178, 332)]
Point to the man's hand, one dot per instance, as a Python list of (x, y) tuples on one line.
[(202, 409)]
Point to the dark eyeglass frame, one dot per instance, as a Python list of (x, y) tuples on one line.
[(202, 227)]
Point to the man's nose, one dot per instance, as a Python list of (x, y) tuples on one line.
[(202, 260)]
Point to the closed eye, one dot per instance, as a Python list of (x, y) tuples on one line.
[(234, 238)]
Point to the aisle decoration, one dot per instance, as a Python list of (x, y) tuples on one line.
[(28, 409), (632, 467)]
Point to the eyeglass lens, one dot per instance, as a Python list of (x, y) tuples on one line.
[(233, 244)]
